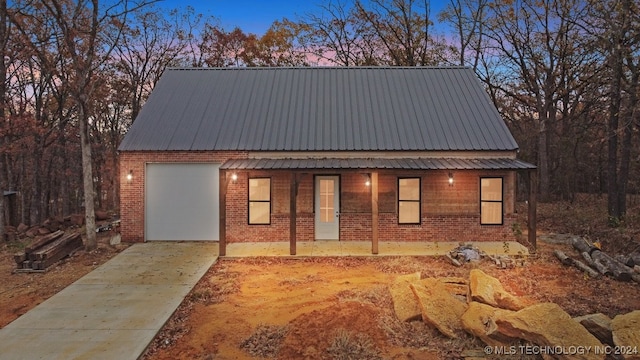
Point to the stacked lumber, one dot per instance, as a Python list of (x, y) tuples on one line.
[(47, 250), (596, 262)]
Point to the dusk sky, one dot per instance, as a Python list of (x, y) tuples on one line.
[(255, 16)]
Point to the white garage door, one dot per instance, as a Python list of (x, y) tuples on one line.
[(181, 202)]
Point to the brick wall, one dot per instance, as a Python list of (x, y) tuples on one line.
[(449, 213), (132, 192)]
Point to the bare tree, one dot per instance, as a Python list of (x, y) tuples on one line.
[(87, 34)]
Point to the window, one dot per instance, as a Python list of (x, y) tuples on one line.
[(491, 201), (260, 201), (409, 200)]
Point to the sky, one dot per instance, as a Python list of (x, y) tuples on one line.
[(252, 16), (255, 16)]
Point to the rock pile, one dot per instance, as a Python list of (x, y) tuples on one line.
[(483, 308)]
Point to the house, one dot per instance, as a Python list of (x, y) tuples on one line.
[(304, 154)]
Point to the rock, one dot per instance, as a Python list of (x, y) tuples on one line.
[(488, 290), (101, 215), (115, 239), (456, 286), (32, 232), (438, 307), (43, 231), (405, 304), (599, 325), (548, 325), (22, 228), (626, 333), (479, 321), (77, 219)]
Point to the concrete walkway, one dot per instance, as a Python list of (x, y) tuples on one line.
[(115, 311)]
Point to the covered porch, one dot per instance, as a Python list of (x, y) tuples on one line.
[(294, 172), (363, 248)]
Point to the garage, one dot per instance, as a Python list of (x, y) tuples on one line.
[(181, 201)]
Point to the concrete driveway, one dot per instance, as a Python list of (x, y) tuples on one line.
[(116, 310)]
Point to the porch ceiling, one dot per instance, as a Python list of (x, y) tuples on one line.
[(397, 163)]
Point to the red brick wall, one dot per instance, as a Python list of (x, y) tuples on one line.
[(132, 192), (449, 213)]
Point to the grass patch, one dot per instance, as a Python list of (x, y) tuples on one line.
[(347, 346), (265, 341)]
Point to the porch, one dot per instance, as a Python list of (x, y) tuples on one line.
[(363, 248), (364, 204)]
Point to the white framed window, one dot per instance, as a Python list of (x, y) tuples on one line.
[(260, 201), (409, 201), (491, 201)]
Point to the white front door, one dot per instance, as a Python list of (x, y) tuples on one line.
[(327, 208)]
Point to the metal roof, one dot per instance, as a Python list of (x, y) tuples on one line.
[(396, 163), (319, 109)]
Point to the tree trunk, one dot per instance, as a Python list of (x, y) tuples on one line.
[(3, 95), (87, 177)]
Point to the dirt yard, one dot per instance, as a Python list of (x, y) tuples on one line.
[(334, 307), (339, 308), (19, 292)]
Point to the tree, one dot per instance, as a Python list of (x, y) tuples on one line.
[(403, 28), (87, 34), (615, 27), (468, 19), (4, 37)]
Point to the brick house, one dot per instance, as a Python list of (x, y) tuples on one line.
[(304, 154)]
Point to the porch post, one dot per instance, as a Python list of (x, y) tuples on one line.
[(533, 202), (222, 244), (374, 212), (293, 213)]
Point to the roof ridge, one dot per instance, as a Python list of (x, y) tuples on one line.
[(455, 67)]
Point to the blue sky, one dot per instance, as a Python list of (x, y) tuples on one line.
[(255, 16)]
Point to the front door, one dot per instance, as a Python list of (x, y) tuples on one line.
[(327, 208)]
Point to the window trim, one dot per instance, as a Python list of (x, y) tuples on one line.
[(249, 201), (419, 201), (501, 201)]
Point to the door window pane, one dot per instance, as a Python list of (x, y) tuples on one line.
[(327, 208)]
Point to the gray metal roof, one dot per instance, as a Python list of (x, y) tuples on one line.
[(319, 109), (396, 163)]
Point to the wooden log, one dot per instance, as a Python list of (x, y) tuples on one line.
[(19, 258), (575, 263), (452, 260), (62, 251), (633, 259), (602, 269), (618, 270), (604, 263), (564, 259), (52, 247), (587, 258), (582, 245), (43, 241)]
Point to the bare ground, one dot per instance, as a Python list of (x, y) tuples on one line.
[(340, 308)]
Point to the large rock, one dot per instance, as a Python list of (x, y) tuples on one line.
[(405, 304), (439, 308), (479, 321), (548, 325), (488, 290), (626, 334), (599, 325)]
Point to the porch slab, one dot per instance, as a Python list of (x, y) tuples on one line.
[(363, 248)]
